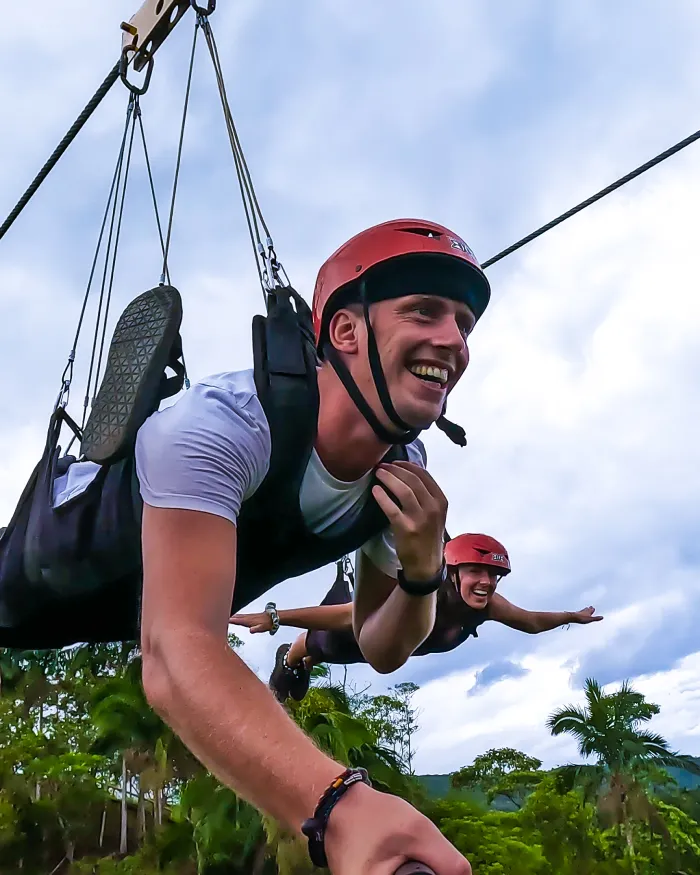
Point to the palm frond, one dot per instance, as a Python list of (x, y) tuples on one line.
[(568, 719)]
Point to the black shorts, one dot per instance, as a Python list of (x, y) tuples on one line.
[(335, 647)]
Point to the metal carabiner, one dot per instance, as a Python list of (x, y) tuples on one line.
[(124, 64), (211, 6)]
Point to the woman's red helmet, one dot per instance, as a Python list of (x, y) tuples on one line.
[(477, 550), (397, 239)]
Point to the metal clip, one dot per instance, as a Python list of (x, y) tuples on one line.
[(211, 6), (124, 65)]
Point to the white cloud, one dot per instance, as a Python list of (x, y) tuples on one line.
[(457, 726)]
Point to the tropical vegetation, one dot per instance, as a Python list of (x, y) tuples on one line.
[(92, 782)]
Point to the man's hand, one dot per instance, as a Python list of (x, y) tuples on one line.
[(372, 833), (584, 616), (261, 622), (418, 525)]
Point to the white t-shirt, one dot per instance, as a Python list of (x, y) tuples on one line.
[(210, 451)]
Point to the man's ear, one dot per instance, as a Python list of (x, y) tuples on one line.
[(343, 330)]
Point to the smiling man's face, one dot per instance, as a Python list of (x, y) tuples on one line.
[(422, 343)]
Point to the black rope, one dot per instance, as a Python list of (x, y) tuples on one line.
[(596, 197), (251, 207), (179, 154), (106, 269), (244, 164), (68, 372), (153, 188), (166, 271), (115, 251), (99, 95)]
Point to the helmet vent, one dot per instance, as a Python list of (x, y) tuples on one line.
[(423, 232)]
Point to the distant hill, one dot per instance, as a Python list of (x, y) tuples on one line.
[(439, 785), (684, 779)]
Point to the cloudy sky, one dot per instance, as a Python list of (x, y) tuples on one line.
[(581, 400)]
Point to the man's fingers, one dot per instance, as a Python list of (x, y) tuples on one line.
[(387, 504), (424, 476), (425, 498), (410, 502)]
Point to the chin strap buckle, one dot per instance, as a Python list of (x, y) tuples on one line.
[(453, 431)]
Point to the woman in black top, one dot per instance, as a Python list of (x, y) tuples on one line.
[(467, 599)]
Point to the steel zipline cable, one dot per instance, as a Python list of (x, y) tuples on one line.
[(72, 133), (628, 177)]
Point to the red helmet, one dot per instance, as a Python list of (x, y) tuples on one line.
[(477, 550), (400, 237)]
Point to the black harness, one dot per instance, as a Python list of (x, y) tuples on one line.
[(74, 573)]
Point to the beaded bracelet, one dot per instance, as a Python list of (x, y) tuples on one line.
[(314, 828)]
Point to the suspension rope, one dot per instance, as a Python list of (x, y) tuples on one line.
[(67, 377), (153, 190), (270, 271), (243, 185), (211, 41), (73, 131), (593, 198), (100, 318), (179, 153), (115, 251), (166, 272)]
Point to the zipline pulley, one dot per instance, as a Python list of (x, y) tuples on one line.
[(150, 26)]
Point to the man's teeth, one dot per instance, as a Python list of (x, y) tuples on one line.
[(439, 374)]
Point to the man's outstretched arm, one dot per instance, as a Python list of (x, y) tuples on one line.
[(233, 724), (204, 690), (534, 622)]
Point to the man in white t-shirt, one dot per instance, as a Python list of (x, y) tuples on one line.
[(392, 311)]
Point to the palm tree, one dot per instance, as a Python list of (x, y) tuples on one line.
[(126, 725), (609, 729)]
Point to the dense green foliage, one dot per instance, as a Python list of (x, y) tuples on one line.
[(92, 782)]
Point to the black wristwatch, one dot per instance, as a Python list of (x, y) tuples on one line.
[(423, 587)]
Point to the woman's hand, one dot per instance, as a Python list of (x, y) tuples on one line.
[(261, 622)]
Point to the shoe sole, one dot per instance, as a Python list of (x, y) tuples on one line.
[(299, 694), (279, 669), (138, 356)]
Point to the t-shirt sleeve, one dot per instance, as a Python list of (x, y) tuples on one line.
[(208, 452), (381, 549)]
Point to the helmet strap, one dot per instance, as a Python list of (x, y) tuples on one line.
[(453, 431), (375, 364), (351, 387)]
